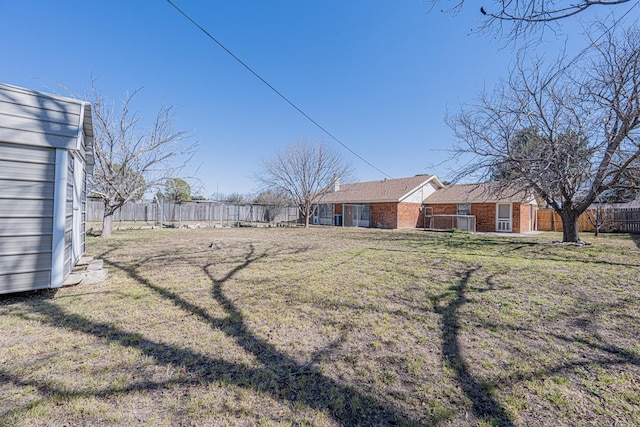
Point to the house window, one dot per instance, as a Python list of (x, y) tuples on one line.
[(465, 222), (365, 213), (357, 216), (464, 209), (504, 211), (325, 214)]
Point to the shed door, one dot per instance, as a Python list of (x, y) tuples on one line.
[(503, 217), (27, 177)]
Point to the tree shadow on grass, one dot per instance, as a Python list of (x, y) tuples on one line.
[(595, 351), (279, 376), (602, 353), (484, 405)]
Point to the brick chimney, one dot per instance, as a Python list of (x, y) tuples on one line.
[(336, 183)]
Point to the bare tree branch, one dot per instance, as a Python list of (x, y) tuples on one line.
[(570, 138), (514, 19), (130, 161), (303, 171)]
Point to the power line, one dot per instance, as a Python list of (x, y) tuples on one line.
[(276, 91)]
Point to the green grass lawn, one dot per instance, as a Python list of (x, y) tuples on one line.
[(328, 327)]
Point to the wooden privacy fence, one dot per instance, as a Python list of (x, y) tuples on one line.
[(616, 219), (200, 213), (627, 219), (549, 220)]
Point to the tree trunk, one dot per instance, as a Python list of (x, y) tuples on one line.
[(107, 225), (307, 213), (570, 226)]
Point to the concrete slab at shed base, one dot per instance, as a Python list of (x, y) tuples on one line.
[(88, 271)]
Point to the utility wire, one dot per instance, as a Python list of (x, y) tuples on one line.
[(276, 91)]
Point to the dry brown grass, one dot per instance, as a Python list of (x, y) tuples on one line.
[(331, 326)]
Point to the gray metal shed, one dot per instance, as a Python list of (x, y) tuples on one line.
[(46, 154)]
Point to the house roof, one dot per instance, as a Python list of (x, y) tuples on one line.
[(387, 190), (478, 193)]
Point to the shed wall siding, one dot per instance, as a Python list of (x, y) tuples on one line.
[(45, 150), (30, 118), (26, 214)]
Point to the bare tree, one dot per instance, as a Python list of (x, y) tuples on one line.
[(273, 203), (600, 216), (582, 128), (129, 161), (304, 171), (516, 18)]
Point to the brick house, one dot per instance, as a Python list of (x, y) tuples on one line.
[(388, 203), (494, 207)]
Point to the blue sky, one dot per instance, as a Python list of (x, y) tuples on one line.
[(379, 75)]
